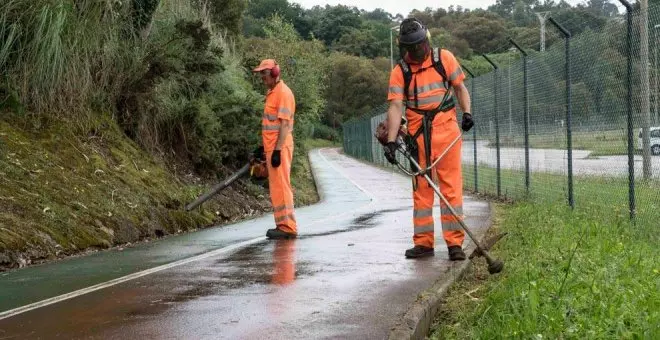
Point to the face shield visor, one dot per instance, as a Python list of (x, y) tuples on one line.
[(414, 46), (415, 53)]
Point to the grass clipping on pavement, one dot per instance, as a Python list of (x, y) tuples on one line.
[(568, 274)]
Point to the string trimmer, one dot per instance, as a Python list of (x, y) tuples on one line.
[(494, 265)]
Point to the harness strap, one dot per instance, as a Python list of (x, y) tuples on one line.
[(445, 105)]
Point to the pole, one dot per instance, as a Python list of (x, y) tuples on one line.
[(510, 109), (473, 95), (631, 156), (569, 109), (542, 16), (655, 70), (526, 112), (497, 125), (646, 107), (391, 52)]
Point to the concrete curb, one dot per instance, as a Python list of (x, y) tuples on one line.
[(315, 178), (417, 321)]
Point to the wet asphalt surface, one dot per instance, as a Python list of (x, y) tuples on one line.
[(344, 277)]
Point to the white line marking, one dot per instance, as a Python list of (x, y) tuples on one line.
[(83, 291), (122, 279)]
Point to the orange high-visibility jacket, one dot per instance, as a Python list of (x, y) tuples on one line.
[(430, 88), (280, 104)]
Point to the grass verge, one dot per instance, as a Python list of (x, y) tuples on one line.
[(586, 273), (63, 194)]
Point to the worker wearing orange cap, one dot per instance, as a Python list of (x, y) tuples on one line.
[(277, 135)]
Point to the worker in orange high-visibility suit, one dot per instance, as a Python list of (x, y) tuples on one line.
[(277, 135), (427, 80)]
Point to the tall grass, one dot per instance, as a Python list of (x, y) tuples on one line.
[(583, 273), (61, 56), (174, 83)]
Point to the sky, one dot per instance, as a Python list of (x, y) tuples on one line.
[(406, 6)]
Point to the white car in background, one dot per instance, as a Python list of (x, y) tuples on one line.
[(655, 140)]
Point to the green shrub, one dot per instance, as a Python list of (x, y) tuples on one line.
[(325, 132)]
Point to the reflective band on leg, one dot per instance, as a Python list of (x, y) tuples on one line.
[(457, 209), (285, 218), (429, 228), (451, 225), (418, 213), (282, 207)]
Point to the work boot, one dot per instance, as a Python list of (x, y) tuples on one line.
[(419, 251), (277, 233), (456, 253)]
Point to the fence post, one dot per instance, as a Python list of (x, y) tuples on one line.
[(631, 157), (569, 108), (497, 124), (473, 95), (526, 112)]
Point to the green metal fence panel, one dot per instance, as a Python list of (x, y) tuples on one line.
[(596, 86)]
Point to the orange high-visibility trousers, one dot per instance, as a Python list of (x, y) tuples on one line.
[(281, 196), (450, 181)]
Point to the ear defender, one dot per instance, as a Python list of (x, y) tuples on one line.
[(275, 71)]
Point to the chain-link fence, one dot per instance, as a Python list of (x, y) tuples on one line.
[(585, 96)]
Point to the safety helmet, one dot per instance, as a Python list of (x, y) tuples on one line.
[(414, 44)]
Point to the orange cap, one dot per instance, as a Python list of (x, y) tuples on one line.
[(266, 64)]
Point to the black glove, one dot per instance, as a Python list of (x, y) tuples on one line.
[(467, 123), (275, 159), (259, 153), (390, 152)]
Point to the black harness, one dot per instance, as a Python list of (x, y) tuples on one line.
[(447, 103)]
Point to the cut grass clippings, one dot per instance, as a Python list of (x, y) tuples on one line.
[(586, 273)]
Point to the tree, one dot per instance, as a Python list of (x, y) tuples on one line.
[(303, 68), (483, 31), (335, 22), (577, 20), (227, 14), (443, 39), (379, 15), (370, 40), (603, 8), (355, 86), (425, 16), (264, 9)]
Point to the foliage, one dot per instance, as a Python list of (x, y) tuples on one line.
[(355, 87), (325, 132), (584, 273), (303, 69), (371, 40), (227, 15), (58, 58), (193, 97)]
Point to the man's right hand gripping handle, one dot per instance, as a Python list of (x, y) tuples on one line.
[(390, 152)]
